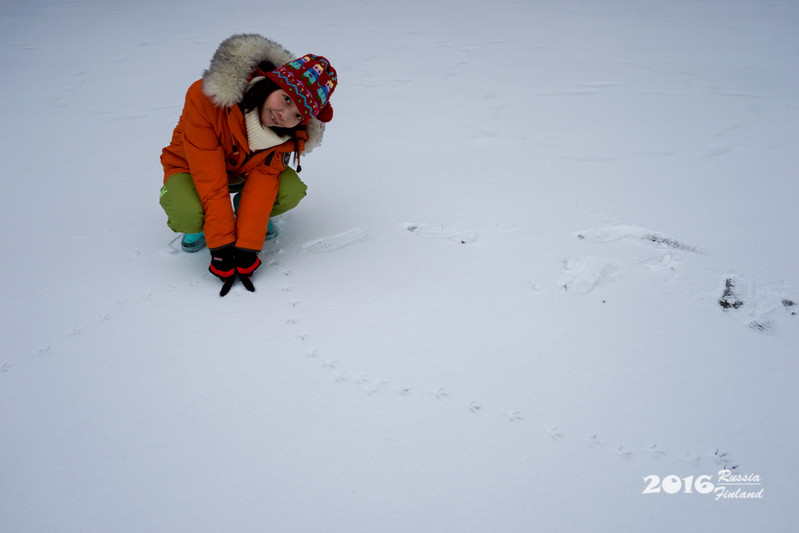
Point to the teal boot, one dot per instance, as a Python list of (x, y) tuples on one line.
[(193, 242), (271, 231)]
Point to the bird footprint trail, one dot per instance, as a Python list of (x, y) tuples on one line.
[(342, 373), (436, 231), (328, 244)]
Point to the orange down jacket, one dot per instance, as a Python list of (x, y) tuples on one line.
[(210, 143)]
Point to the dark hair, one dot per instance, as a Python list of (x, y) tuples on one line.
[(257, 93)]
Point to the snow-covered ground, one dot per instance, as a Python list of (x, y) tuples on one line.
[(500, 308)]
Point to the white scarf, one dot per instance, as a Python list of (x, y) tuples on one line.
[(259, 136)]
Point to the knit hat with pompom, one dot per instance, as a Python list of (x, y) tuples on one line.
[(309, 81)]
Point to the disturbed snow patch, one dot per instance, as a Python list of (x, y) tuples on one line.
[(754, 305), (328, 244), (437, 231), (635, 233), (582, 276)]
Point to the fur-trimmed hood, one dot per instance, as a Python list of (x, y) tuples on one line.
[(226, 79)]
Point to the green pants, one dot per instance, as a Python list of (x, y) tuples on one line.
[(184, 209)]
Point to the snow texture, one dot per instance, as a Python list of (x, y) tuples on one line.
[(560, 256)]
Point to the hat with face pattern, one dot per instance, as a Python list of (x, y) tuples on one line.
[(309, 81)]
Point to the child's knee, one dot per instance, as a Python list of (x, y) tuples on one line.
[(290, 192), (180, 201)]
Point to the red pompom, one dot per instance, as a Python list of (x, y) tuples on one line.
[(326, 113)]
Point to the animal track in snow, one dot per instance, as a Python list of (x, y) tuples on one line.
[(691, 459), (436, 231), (440, 393), (655, 451), (514, 416), (369, 386), (635, 233), (328, 244), (621, 451), (592, 440), (474, 407), (722, 459)]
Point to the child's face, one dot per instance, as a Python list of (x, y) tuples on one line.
[(279, 110)]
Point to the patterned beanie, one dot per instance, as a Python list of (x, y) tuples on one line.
[(309, 81)]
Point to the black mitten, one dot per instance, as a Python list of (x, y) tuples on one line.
[(247, 262), (223, 266), (223, 263)]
